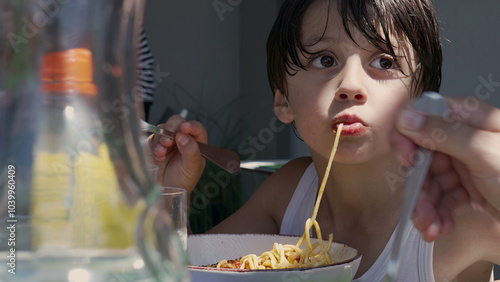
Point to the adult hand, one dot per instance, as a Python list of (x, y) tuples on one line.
[(466, 164), (180, 162)]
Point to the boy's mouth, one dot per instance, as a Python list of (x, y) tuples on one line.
[(353, 125)]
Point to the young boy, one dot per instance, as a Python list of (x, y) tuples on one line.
[(356, 63)]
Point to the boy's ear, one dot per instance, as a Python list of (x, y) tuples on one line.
[(282, 108)]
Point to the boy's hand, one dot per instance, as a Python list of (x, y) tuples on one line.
[(180, 162), (466, 164)]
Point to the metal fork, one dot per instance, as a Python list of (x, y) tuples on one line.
[(432, 103), (225, 159)]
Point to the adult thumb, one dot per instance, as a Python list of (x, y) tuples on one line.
[(434, 132)]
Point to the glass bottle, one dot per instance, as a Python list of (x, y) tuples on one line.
[(77, 201)]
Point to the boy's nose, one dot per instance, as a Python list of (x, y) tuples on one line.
[(350, 97), (350, 87)]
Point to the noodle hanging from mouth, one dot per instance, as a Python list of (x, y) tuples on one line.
[(292, 256)]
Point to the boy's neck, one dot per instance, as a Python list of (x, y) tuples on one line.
[(361, 207), (365, 191)]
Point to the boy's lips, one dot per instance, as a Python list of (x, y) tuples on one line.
[(352, 125)]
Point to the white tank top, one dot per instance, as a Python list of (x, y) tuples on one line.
[(416, 259)]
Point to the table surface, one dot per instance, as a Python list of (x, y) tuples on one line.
[(263, 166)]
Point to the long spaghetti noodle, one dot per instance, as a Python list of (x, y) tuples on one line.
[(293, 256)]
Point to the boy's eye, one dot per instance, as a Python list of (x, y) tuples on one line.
[(324, 62), (383, 63)]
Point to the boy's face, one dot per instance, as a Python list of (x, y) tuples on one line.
[(349, 82)]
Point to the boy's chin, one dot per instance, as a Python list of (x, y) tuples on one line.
[(374, 158)]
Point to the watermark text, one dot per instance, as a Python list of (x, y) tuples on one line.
[(11, 220)]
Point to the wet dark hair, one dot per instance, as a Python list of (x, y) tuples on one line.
[(412, 21)]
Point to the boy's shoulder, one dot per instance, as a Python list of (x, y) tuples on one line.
[(289, 174), (298, 164), (280, 186)]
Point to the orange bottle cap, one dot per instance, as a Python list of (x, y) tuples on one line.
[(68, 70)]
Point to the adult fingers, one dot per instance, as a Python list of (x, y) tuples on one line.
[(470, 128), (459, 140), (473, 112), (405, 148)]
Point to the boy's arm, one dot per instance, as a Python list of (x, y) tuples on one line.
[(263, 212)]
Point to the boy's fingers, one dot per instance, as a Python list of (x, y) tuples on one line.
[(196, 129), (158, 144), (191, 158)]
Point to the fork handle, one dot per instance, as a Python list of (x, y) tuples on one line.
[(225, 159)]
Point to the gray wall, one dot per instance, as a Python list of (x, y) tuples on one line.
[(212, 60), (198, 58), (471, 48)]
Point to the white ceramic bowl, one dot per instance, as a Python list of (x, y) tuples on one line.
[(208, 249)]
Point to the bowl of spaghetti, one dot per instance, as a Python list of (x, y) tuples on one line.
[(257, 257), (266, 257)]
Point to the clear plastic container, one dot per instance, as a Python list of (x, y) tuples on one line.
[(78, 203)]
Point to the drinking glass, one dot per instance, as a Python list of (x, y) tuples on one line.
[(174, 201)]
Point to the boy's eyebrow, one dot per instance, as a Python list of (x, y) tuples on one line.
[(317, 39), (328, 39)]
